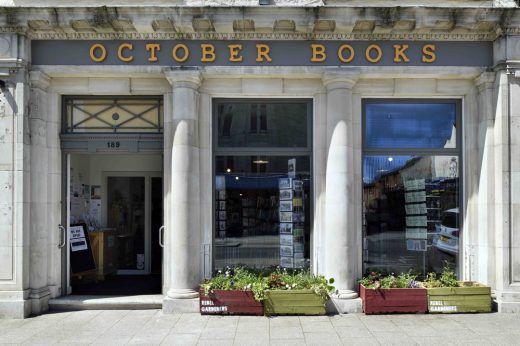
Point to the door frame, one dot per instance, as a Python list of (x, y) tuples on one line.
[(147, 212)]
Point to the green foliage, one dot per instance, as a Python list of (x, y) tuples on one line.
[(448, 278), (283, 279), (376, 280), (237, 279), (258, 282)]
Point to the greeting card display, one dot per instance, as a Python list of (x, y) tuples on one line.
[(292, 219)]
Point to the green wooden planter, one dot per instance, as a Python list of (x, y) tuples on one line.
[(293, 302), (471, 297)]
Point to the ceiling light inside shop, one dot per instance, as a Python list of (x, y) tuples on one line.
[(260, 162), (236, 178), (228, 170)]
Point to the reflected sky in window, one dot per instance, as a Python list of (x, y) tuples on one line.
[(410, 125)]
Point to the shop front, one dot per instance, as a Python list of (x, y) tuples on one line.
[(139, 162)]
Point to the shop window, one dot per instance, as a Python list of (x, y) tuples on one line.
[(113, 114), (411, 185), (262, 185)]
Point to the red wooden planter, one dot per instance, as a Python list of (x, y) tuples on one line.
[(221, 302), (388, 300)]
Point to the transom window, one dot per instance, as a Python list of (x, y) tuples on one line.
[(125, 114)]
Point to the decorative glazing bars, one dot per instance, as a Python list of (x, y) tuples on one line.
[(114, 114)]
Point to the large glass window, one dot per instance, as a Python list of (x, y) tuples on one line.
[(262, 183), (411, 185)]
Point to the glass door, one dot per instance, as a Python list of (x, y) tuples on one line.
[(127, 214)]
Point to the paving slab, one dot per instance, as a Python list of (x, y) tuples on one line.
[(153, 327)]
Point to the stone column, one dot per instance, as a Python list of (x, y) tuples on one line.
[(39, 233), (183, 232), (342, 238)]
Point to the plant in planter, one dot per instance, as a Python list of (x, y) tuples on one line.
[(391, 293), (235, 291), (296, 293), (448, 295)]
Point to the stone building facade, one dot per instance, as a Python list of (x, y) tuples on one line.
[(41, 62)]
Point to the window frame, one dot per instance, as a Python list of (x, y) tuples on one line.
[(457, 151), (64, 118)]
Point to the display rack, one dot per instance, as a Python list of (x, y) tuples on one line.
[(292, 221)]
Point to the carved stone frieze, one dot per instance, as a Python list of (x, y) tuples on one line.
[(490, 36)]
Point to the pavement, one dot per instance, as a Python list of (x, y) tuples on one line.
[(152, 327)]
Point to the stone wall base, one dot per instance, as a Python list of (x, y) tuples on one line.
[(344, 306), (16, 309), (175, 306)]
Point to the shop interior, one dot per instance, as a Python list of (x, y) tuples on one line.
[(115, 214)]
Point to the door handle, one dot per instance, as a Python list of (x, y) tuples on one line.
[(63, 236), (161, 236)]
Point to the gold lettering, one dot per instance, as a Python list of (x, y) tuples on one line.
[(350, 56), (177, 57), (234, 52), (103, 54), (208, 53), (262, 52), (429, 55), (399, 54), (153, 48), (368, 53), (318, 53), (120, 55)]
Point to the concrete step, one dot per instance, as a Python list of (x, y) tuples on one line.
[(84, 302)]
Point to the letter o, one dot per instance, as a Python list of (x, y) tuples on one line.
[(186, 52), (93, 49), (340, 53), (369, 50)]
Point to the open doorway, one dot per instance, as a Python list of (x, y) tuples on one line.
[(116, 202)]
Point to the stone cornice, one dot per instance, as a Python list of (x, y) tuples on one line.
[(264, 22), (428, 36)]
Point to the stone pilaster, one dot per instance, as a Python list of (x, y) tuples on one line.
[(183, 229), (342, 238), (507, 187), (39, 293)]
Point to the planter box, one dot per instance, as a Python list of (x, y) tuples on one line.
[(472, 298), (388, 300), (293, 302), (221, 302)]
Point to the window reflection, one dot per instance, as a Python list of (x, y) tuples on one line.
[(410, 213), (262, 124), (410, 125), (251, 194)]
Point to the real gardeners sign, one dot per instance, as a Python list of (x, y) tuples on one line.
[(261, 53)]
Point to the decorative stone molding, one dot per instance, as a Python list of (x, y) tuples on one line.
[(485, 81), (184, 77), (338, 79), (418, 36), (39, 80)]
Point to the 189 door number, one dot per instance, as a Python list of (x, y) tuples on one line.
[(112, 145)]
